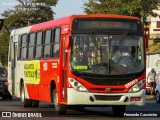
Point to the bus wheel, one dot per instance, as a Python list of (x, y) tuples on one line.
[(157, 96), (59, 108), (4, 97), (35, 103), (25, 102), (10, 97), (118, 110)]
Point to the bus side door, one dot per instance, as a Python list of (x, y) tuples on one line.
[(64, 63)]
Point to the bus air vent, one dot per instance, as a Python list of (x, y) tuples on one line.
[(108, 97)]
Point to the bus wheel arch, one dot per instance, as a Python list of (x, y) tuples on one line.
[(52, 86)]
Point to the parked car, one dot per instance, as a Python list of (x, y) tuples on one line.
[(4, 93), (157, 92)]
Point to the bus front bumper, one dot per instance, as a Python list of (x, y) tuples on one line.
[(87, 98)]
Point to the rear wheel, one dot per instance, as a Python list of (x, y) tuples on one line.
[(35, 103), (7, 97), (157, 97), (59, 108), (10, 97), (25, 102), (4, 97), (118, 110)]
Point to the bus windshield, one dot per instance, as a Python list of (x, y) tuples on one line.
[(107, 54)]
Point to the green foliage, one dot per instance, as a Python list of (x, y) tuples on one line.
[(29, 12), (154, 43), (26, 13), (139, 8), (4, 43)]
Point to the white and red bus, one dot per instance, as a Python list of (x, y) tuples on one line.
[(80, 60)]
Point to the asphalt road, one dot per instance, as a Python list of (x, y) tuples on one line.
[(89, 113)]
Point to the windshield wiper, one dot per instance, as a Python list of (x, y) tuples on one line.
[(96, 44), (120, 41), (93, 40)]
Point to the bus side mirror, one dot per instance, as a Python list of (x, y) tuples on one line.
[(1, 23), (67, 44)]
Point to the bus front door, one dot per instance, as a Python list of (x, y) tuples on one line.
[(64, 68)]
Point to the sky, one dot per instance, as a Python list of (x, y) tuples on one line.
[(62, 9)]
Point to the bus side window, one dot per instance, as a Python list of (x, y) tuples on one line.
[(24, 47), (56, 40), (38, 52), (31, 46), (19, 47), (47, 44), (11, 39)]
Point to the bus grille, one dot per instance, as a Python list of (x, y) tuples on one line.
[(103, 90), (108, 97)]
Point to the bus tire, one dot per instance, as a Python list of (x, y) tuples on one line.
[(157, 96), (118, 110), (25, 102), (59, 108), (35, 103), (10, 97), (4, 97)]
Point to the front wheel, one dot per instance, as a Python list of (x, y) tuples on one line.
[(157, 96), (59, 108), (25, 102), (118, 110)]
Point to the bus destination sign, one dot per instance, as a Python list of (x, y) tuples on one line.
[(82, 24)]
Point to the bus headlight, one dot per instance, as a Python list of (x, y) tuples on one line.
[(138, 86), (77, 85)]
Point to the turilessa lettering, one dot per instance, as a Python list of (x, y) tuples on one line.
[(28, 66), (29, 73)]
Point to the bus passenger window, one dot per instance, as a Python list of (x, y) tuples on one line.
[(56, 43), (31, 46), (19, 48), (10, 51), (24, 47), (47, 46), (38, 52)]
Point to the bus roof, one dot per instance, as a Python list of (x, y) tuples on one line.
[(67, 20), (21, 30)]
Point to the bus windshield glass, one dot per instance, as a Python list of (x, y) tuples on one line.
[(107, 54)]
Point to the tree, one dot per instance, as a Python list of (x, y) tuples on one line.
[(27, 12), (138, 8)]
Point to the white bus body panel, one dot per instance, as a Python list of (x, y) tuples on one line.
[(15, 67), (83, 98)]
